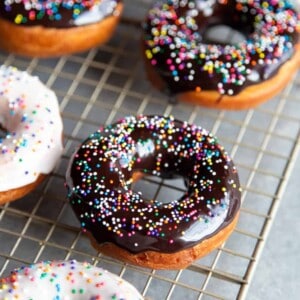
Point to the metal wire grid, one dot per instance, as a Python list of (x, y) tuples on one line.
[(99, 87)]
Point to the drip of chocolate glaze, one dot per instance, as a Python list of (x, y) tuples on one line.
[(99, 177)]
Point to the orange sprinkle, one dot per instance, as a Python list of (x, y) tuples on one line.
[(239, 6)]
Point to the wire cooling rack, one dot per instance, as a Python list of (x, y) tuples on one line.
[(100, 86)]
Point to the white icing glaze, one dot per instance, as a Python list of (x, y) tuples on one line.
[(29, 112), (65, 280)]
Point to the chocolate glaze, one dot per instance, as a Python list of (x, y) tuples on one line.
[(174, 43), (57, 14), (99, 177)]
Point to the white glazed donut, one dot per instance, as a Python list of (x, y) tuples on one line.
[(31, 135), (65, 280)]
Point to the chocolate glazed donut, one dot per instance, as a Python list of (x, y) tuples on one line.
[(240, 75), (52, 28), (100, 174)]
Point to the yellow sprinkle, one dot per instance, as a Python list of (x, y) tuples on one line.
[(18, 19), (76, 11), (148, 54), (262, 55)]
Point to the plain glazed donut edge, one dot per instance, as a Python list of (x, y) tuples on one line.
[(38, 41), (250, 97), (17, 193), (163, 261)]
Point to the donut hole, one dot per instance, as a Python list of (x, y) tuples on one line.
[(162, 191), (223, 35), (9, 123), (3, 131), (226, 25)]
